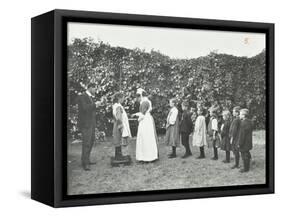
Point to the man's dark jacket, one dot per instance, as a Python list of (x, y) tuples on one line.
[(86, 112)]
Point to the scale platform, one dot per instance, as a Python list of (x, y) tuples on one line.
[(126, 161)]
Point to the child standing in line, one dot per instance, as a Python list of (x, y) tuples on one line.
[(199, 134), (172, 128), (213, 132), (193, 119), (245, 139), (185, 129), (225, 141), (234, 135)]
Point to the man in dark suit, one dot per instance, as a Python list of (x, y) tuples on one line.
[(234, 136), (245, 139), (87, 124), (186, 125)]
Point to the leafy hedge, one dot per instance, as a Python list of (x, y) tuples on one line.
[(229, 79)]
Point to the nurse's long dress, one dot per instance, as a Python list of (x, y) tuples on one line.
[(146, 147)]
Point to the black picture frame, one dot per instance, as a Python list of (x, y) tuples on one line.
[(48, 148)]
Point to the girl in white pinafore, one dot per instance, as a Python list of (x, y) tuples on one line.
[(146, 147)]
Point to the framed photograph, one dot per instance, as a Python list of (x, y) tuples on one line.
[(134, 108)]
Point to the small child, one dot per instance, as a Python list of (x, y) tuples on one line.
[(225, 141), (121, 128), (185, 129), (234, 135), (172, 128), (213, 132), (199, 135), (245, 139)]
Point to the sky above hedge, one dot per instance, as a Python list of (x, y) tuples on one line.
[(176, 43)]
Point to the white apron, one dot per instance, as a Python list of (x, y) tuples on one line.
[(200, 132), (146, 147)]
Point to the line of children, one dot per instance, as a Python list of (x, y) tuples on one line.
[(235, 135)]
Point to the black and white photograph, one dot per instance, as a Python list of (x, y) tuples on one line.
[(140, 108), (156, 108)]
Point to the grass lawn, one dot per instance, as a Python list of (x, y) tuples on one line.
[(163, 174)]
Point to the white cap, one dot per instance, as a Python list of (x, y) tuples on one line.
[(140, 91)]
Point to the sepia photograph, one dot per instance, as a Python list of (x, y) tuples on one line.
[(154, 108)]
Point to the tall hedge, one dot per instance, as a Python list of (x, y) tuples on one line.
[(229, 79)]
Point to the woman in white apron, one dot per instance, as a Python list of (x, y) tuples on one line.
[(146, 146)]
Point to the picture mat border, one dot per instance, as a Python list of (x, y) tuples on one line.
[(62, 17)]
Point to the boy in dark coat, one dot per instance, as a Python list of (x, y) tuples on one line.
[(245, 139), (225, 141), (234, 135), (185, 129)]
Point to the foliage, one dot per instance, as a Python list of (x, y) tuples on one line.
[(228, 79)]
